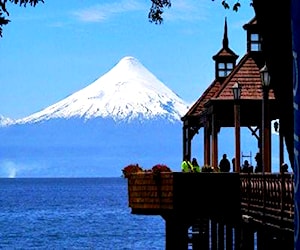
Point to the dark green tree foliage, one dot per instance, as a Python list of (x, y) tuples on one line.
[(157, 9), (4, 12)]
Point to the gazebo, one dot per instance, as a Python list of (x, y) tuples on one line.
[(254, 107)]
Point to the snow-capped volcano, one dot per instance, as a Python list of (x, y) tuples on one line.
[(128, 91)]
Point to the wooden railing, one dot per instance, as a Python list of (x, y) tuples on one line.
[(268, 198)]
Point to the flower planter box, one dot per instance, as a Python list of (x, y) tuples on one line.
[(150, 192)]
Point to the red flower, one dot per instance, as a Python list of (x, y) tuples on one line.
[(160, 168), (130, 169)]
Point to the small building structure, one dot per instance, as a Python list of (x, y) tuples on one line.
[(214, 109)]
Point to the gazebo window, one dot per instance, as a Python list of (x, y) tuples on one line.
[(224, 69), (255, 42)]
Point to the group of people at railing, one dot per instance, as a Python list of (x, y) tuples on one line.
[(224, 166), (248, 168), (193, 166), (187, 166)]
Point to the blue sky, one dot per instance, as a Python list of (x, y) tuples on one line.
[(59, 47)]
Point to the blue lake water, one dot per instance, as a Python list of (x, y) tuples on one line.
[(74, 213)]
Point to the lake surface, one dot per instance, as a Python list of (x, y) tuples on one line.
[(74, 213)]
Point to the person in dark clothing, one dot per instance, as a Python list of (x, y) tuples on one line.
[(258, 160), (224, 164), (284, 168), (196, 167), (247, 168), (233, 164)]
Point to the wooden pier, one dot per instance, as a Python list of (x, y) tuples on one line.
[(218, 210)]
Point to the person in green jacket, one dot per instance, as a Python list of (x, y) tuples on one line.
[(186, 165), (196, 167)]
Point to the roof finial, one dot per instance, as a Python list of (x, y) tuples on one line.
[(225, 38)]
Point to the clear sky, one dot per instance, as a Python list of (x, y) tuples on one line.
[(59, 47)]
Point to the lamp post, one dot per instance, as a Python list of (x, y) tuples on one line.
[(265, 81), (236, 90)]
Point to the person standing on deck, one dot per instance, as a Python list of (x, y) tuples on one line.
[(196, 167), (186, 165), (233, 164), (247, 168), (224, 164), (258, 159)]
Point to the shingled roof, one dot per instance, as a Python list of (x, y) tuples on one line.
[(247, 74), (218, 97)]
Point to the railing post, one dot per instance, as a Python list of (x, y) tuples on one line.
[(264, 197), (249, 191), (282, 195)]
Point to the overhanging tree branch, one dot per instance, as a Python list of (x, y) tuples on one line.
[(158, 6), (4, 12)]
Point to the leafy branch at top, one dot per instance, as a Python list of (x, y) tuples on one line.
[(157, 9), (4, 12), (235, 7)]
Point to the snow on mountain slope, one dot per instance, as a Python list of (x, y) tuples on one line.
[(127, 92), (5, 121)]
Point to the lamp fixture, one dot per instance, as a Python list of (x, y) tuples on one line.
[(265, 76), (236, 89)]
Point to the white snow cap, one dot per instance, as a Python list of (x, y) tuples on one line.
[(5, 121), (128, 91)]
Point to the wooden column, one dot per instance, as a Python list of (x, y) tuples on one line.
[(281, 155), (266, 136), (186, 140), (206, 146), (214, 142)]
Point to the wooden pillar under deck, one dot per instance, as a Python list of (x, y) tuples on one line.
[(247, 238), (237, 237), (220, 236), (176, 234), (200, 237), (229, 237), (214, 239)]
